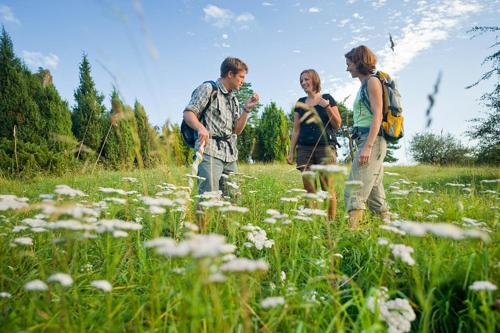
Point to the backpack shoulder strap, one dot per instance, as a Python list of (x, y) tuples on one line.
[(364, 92), (212, 97)]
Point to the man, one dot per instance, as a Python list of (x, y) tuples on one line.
[(222, 122)]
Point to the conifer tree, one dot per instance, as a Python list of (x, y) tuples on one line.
[(17, 107), (122, 148), (147, 136), (246, 140), (272, 135), (56, 113), (89, 112)]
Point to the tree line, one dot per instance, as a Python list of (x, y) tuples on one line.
[(41, 132)]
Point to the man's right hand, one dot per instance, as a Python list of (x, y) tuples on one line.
[(203, 136)]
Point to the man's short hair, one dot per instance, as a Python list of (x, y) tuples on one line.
[(233, 65)]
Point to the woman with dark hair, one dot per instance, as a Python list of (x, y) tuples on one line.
[(367, 166), (315, 118)]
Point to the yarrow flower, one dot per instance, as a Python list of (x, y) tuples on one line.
[(271, 302), (64, 279), (23, 241), (244, 265), (8, 201), (397, 313), (36, 285), (4, 294), (482, 285), (198, 246), (403, 252), (66, 190), (102, 284)]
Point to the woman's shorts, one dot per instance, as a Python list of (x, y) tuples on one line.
[(309, 155)]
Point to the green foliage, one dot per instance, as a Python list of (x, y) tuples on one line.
[(442, 149), (246, 140), (122, 148), (486, 130), (391, 147), (174, 148), (17, 106), (89, 113), (147, 136), (272, 135)]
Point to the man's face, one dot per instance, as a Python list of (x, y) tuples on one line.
[(236, 80)]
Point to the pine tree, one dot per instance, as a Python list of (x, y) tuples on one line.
[(272, 135), (17, 107), (122, 148), (56, 113), (246, 140), (147, 136), (391, 148), (89, 112)]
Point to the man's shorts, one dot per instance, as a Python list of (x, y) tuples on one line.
[(309, 155)]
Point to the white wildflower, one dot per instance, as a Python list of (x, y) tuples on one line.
[(233, 209), (455, 185), (490, 181), (285, 199), (155, 210), (23, 241), (403, 252), (283, 276), (66, 190), (397, 313), (391, 173), (102, 284), (129, 179), (271, 302), (482, 285), (119, 234), (8, 201), (4, 294), (244, 265), (157, 201), (393, 229), (19, 228), (36, 285), (338, 255), (217, 278), (382, 241), (330, 169), (64, 279)]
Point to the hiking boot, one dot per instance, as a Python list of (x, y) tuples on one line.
[(355, 217)]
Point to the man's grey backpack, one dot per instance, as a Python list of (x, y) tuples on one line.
[(190, 135)]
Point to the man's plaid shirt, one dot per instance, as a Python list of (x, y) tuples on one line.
[(219, 119)]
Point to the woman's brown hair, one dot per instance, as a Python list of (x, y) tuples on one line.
[(364, 59), (316, 81)]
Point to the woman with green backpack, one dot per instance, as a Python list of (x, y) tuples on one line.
[(365, 185)]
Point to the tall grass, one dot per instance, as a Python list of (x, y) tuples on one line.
[(328, 275)]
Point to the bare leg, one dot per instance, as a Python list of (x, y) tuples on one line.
[(327, 184)]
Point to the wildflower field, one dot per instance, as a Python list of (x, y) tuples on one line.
[(115, 252)]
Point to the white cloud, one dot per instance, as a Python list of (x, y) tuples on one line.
[(428, 24), (314, 10), (225, 36), (296, 51), (245, 18), (343, 23), (357, 16), (267, 4), (7, 15), (378, 3), (225, 45), (217, 16), (221, 18), (433, 24), (37, 59)]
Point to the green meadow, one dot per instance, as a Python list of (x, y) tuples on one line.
[(134, 259)]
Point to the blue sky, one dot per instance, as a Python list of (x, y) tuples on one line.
[(159, 51)]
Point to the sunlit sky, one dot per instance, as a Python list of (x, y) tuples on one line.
[(158, 51)]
